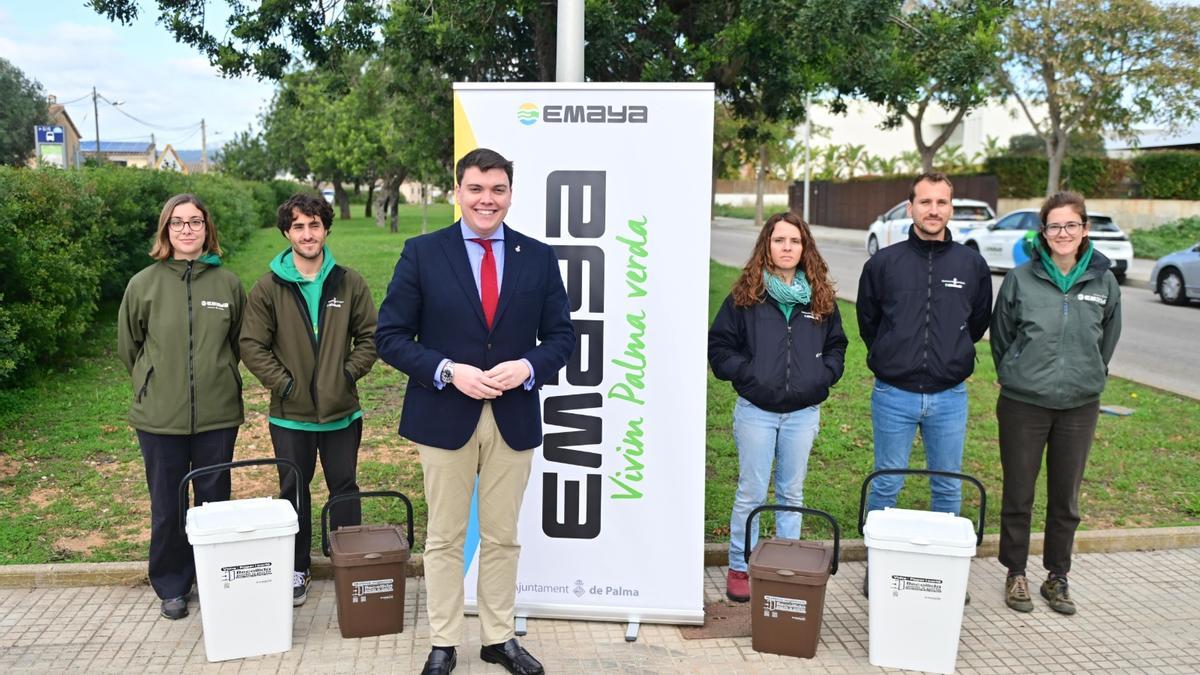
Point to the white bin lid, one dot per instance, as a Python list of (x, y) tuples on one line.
[(240, 520), (920, 532)]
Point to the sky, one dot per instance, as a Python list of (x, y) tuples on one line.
[(69, 48)]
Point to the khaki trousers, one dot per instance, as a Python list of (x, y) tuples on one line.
[(449, 483)]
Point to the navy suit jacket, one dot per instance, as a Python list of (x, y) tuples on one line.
[(432, 312)]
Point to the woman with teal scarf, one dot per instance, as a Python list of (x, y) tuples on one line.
[(778, 338), (1055, 327)]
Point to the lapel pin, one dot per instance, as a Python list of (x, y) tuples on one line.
[(518, 248)]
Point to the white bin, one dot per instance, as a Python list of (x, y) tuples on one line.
[(244, 553), (918, 566)]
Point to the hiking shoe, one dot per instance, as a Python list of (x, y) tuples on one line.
[(299, 588), (1054, 590), (174, 608), (737, 586), (1016, 593)]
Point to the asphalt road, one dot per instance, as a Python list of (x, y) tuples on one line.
[(1160, 344)]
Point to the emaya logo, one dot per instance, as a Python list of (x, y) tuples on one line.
[(528, 114)]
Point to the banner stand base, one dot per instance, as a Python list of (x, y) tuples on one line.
[(631, 631), (521, 625)]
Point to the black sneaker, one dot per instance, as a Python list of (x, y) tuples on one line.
[(174, 608), (299, 588), (1055, 591)]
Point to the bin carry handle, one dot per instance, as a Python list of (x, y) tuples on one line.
[(862, 500), (226, 466), (358, 495), (837, 531)]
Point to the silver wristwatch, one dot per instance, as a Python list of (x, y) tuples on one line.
[(448, 373)]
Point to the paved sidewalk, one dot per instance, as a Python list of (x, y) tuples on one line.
[(1139, 613)]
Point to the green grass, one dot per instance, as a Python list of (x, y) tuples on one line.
[(1167, 238), (747, 212), (72, 487)]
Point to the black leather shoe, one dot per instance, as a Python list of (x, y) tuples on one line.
[(513, 657), (440, 662)]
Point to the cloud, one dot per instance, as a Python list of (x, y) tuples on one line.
[(161, 82)]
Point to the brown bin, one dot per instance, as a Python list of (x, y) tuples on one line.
[(787, 588), (369, 570)]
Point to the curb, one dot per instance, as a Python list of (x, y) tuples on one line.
[(65, 575)]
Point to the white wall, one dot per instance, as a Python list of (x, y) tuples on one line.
[(860, 125)]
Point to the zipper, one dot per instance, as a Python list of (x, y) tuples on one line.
[(928, 315), (145, 385), (787, 371), (191, 345)]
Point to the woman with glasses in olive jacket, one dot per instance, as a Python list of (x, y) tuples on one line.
[(1055, 327), (177, 334)]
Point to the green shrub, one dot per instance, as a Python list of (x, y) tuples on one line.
[(50, 264), (1168, 175), (1158, 241), (1026, 176), (69, 239)]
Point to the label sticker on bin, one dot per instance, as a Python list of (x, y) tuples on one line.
[(774, 604), (916, 584), (259, 571), (372, 587)]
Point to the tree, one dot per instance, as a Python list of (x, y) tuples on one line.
[(938, 52), (24, 107), (1098, 65), (246, 156), (263, 38)]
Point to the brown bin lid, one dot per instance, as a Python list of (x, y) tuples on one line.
[(802, 562), (367, 545)]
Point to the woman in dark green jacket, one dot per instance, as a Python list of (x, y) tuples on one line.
[(1055, 326), (177, 334)]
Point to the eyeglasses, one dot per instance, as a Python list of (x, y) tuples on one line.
[(1056, 229), (195, 224)]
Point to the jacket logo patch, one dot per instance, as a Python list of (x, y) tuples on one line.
[(1098, 299), (953, 283), (334, 303), (213, 304), (809, 315)]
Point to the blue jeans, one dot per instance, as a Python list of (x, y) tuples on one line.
[(896, 415), (765, 438)]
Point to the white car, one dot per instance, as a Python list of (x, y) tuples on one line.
[(892, 227), (1002, 244)]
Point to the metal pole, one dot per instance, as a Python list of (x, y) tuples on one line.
[(96, 119), (203, 147), (569, 59), (807, 151)]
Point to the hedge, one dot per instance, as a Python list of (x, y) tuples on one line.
[(1169, 174), (71, 239), (1026, 176)]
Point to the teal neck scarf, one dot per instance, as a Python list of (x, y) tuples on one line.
[(1063, 281), (798, 293)]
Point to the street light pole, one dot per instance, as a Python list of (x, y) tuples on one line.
[(96, 119), (203, 147), (807, 152), (569, 60)]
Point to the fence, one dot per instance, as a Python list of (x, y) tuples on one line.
[(856, 204)]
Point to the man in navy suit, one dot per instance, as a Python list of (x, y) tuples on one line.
[(476, 315)]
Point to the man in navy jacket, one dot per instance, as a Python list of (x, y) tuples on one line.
[(922, 305), (476, 315)]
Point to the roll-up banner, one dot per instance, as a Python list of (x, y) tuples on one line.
[(618, 179)]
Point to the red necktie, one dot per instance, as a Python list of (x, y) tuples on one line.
[(487, 281)]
